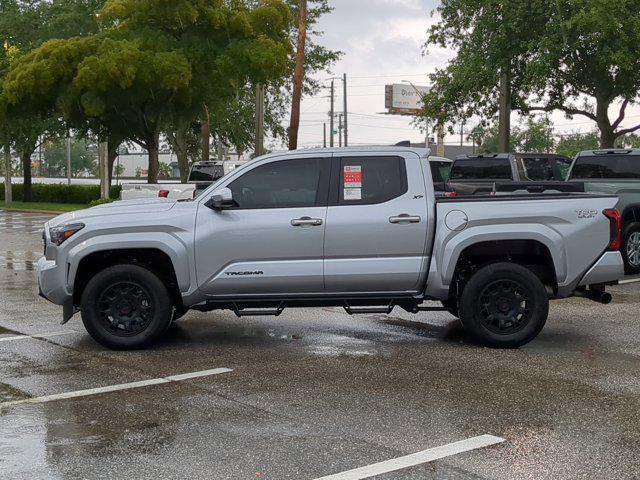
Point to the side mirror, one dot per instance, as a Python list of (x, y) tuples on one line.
[(221, 199)]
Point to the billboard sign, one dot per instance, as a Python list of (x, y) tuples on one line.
[(404, 99)]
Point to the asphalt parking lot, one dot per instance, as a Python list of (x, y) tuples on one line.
[(313, 393)]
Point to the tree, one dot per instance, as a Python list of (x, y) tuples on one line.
[(577, 57), (24, 25), (83, 157), (535, 135), (297, 76), (569, 145), (153, 65)]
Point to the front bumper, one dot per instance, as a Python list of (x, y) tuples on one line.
[(52, 282), (608, 269)]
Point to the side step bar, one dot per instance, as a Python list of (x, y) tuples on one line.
[(365, 310), (258, 312)]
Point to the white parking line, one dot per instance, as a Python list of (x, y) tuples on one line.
[(116, 388), (414, 459), (36, 336)]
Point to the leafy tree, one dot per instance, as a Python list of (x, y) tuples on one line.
[(155, 63), (535, 135), (569, 145), (579, 57), (83, 157)]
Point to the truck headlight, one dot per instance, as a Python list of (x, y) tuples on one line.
[(61, 233)]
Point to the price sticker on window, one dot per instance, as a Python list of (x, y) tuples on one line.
[(353, 194), (352, 176)]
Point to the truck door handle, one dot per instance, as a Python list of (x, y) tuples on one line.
[(404, 219), (306, 222)]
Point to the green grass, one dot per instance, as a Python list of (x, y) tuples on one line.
[(49, 207)]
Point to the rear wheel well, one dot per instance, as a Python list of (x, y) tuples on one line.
[(154, 260), (631, 214), (529, 253)]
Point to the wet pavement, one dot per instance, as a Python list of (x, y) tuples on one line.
[(314, 392)]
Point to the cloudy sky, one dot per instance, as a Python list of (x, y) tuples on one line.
[(382, 41)]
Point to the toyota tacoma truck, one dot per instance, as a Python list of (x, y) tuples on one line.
[(358, 228), (616, 172)]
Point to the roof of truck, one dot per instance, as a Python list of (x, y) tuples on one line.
[(609, 151), (421, 152)]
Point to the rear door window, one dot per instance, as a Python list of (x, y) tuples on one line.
[(538, 169), (481, 169), (370, 180), (606, 166)]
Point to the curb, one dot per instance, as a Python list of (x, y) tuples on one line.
[(24, 210)]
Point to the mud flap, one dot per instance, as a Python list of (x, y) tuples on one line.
[(68, 311)]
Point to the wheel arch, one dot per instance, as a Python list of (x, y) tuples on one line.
[(154, 259)]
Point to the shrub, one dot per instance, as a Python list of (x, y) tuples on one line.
[(78, 194)]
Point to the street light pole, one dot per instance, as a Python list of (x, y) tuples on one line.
[(68, 158)]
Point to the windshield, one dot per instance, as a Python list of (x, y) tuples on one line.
[(206, 173), (607, 166), (481, 169)]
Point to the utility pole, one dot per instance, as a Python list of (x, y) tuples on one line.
[(340, 130), (68, 158), (331, 115), (504, 127), (324, 134), (346, 122), (462, 134), (298, 75), (8, 197), (259, 120)]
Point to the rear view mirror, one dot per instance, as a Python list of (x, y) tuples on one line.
[(221, 199)]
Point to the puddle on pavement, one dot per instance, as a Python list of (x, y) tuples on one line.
[(20, 261)]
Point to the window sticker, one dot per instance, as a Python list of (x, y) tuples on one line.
[(352, 176), (352, 193)]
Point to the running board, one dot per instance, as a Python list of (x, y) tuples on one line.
[(258, 312), (366, 310)]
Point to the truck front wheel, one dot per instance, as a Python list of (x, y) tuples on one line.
[(504, 305), (126, 307)]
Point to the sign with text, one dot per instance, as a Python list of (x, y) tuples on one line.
[(404, 99)]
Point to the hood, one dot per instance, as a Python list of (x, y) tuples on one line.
[(121, 207)]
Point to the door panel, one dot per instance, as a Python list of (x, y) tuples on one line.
[(253, 252), (272, 242), (371, 248)]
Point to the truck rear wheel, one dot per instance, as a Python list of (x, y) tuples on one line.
[(126, 307), (504, 305), (631, 248)]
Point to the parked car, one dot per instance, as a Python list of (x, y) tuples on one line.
[(359, 228), (473, 174), (615, 172), (201, 175)]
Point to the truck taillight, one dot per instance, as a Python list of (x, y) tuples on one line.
[(615, 222), (450, 194), (163, 193)]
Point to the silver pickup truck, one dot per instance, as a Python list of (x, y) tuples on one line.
[(357, 228)]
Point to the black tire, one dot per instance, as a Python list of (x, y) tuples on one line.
[(504, 305), (126, 307), (631, 248)]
